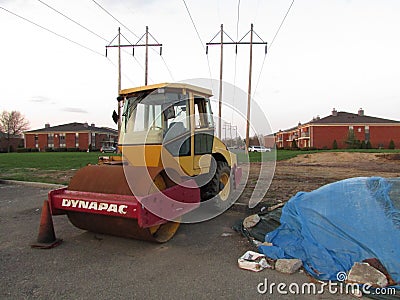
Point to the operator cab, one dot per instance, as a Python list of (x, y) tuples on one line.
[(176, 116)]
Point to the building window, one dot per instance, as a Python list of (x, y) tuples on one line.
[(76, 140), (36, 141), (367, 133), (93, 140), (50, 140), (351, 127), (62, 140)]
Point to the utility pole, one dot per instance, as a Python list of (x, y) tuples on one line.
[(220, 81), (146, 71), (224, 128), (130, 45), (240, 42), (119, 79), (230, 133), (235, 128), (221, 43), (249, 90)]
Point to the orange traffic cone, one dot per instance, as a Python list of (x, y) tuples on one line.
[(46, 238)]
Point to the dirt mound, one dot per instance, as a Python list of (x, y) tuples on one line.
[(328, 158), (310, 171)]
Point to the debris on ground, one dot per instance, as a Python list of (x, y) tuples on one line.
[(253, 261), (288, 266), (269, 221), (273, 207), (365, 274), (339, 224), (251, 221), (374, 262), (225, 234), (334, 227)]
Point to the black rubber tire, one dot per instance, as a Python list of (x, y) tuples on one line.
[(214, 186)]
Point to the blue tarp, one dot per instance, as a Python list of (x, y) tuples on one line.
[(339, 224)]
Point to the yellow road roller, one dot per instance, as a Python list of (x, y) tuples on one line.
[(170, 163)]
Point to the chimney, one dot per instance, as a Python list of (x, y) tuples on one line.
[(86, 125), (92, 125), (334, 112), (47, 125), (361, 112)]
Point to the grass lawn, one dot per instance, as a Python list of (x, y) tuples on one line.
[(51, 167), (48, 160), (58, 167)]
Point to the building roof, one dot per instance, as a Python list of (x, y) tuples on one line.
[(349, 118), (343, 117), (74, 127)]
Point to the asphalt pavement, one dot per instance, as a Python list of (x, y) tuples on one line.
[(200, 262)]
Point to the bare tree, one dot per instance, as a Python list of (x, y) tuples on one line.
[(12, 124)]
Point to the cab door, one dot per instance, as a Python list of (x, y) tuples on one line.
[(203, 136)]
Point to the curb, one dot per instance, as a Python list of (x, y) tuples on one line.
[(32, 184)]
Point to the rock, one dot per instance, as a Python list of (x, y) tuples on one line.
[(251, 221), (374, 262), (288, 266), (364, 273)]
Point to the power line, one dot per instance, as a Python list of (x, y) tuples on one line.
[(237, 21), (48, 30), (75, 22), (270, 45), (169, 71), (259, 75), (194, 25), (87, 29), (280, 26), (198, 35), (107, 12), (129, 79)]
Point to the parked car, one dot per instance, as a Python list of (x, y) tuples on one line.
[(108, 149), (259, 149)]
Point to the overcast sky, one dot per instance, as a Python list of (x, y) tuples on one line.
[(342, 54)]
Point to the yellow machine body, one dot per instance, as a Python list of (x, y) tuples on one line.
[(166, 137)]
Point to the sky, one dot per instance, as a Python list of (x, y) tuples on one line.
[(341, 54)]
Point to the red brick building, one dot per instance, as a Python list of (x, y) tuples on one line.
[(344, 128), (73, 135)]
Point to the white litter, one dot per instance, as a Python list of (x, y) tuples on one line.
[(253, 261)]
